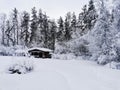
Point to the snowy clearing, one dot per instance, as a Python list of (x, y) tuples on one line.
[(59, 75)]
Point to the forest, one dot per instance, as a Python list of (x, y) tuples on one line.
[(93, 34)]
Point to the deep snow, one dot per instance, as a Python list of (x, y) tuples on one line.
[(59, 75)]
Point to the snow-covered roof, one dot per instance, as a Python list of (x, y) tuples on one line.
[(42, 49)]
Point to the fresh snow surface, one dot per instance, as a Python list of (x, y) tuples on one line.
[(58, 75)]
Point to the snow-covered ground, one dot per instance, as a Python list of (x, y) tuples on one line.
[(59, 75)]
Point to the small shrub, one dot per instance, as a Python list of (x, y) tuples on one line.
[(20, 68), (114, 65)]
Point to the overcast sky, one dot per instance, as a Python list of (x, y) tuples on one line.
[(53, 8)]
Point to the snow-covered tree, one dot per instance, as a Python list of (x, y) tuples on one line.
[(102, 34), (116, 15), (73, 25), (116, 28), (60, 32), (45, 31), (67, 23), (40, 28), (25, 34), (82, 20), (2, 26), (8, 33), (15, 28), (52, 35), (91, 15), (33, 27), (73, 21)]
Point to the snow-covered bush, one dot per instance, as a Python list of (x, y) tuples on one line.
[(114, 65), (76, 46), (21, 68), (81, 50), (10, 51), (102, 59), (69, 56), (5, 51), (62, 48), (108, 58), (116, 45), (22, 52)]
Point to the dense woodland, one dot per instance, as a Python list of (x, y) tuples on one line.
[(94, 33)]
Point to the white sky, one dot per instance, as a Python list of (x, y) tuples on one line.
[(53, 8)]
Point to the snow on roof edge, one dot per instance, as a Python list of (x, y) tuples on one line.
[(42, 49)]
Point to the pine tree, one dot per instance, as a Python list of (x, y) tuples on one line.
[(67, 35), (7, 32), (103, 35), (45, 31), (33, 27), (91, 15), (115, 20), (40, 29), (112, 17), (87, 18), (25, 34), (15, 28), (60, 32), (73, 21), (73, 25), (40, 18), (52, 35), (116, 15), (2, 26), (82, 20)]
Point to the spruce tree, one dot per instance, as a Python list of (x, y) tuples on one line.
[(7, 32), (73, 21), (15, 29), (73, 25), (82, 20), (2, 26), (102, 34), (40, 29), (67, 35), (60, 32), (45, 31), (52, 35), (116, 27), (33, 27), (91, 15), (25, 34)]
